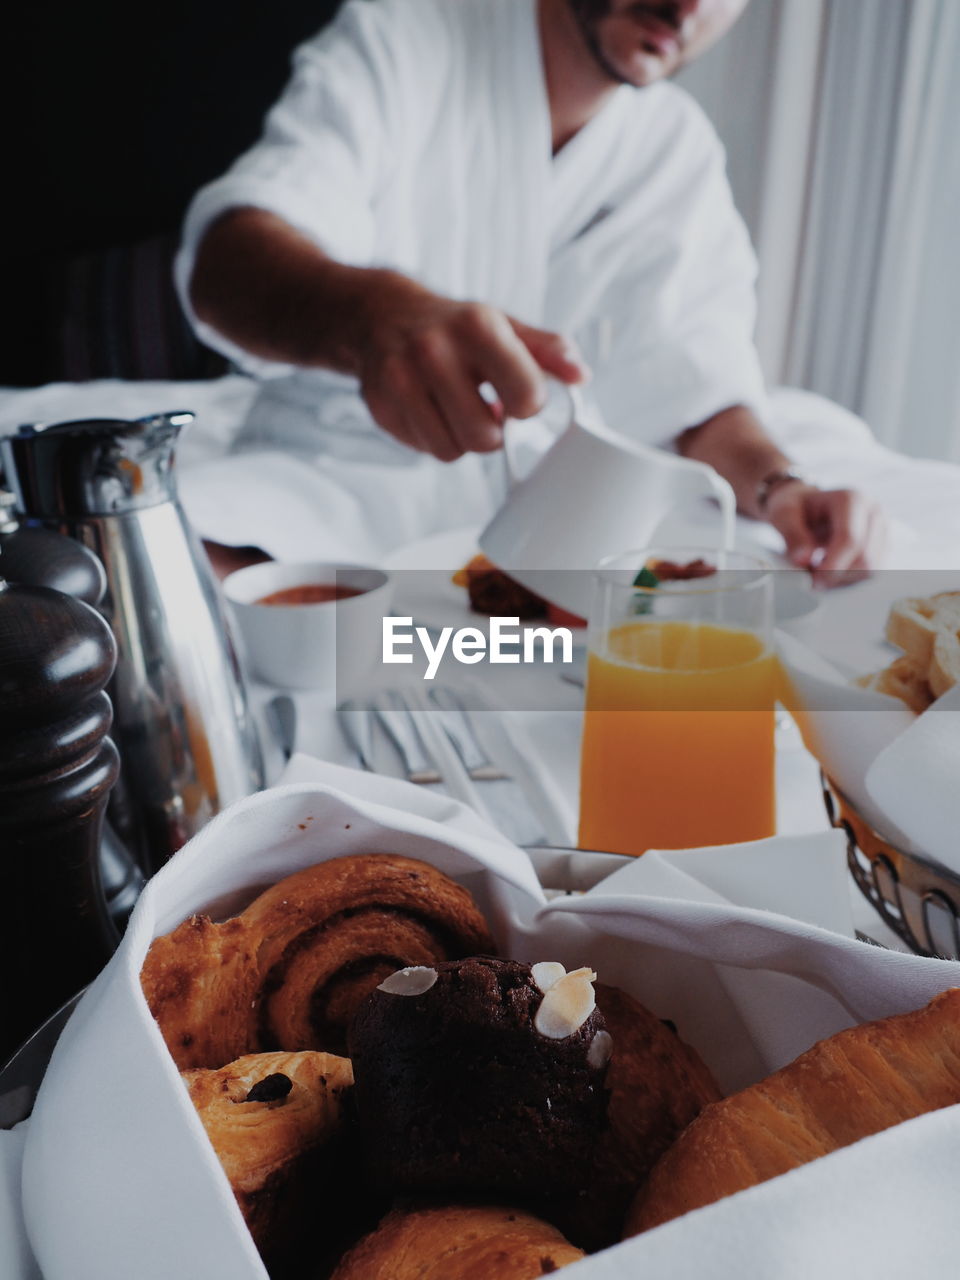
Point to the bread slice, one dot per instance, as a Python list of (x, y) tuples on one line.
[(914, 623), (904, 679), (848, 1087), (947, 604), (944, 669)]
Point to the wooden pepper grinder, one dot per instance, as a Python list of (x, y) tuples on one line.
[(56, 769)]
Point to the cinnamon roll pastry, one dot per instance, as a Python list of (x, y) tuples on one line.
[(269, 1116), (328, 936), (290, 970), (460, 1242)]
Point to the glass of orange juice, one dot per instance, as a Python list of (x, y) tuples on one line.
[(678, 735)]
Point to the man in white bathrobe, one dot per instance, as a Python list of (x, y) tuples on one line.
[(463, 194)]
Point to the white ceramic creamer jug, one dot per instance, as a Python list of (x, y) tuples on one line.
[(594, 493)]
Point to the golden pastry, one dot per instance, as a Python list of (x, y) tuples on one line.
[(944, 669), (290, 970), (268, 1116), (902, 679), (471, 1242), (914, 623), (845, 1088), (927, 629)]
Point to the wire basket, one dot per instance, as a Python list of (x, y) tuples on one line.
[(918, 899)]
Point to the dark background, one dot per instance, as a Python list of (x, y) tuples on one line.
[(114, 116)]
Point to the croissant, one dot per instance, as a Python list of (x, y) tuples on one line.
[(267, 1117), (473, 1242), (854, 1084), (290, 970)]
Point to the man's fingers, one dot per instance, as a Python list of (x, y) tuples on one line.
[(424, 386), (553, 352), (844, 519), (473, 424), (403, 406), (869, 536), (492, 349), (800, 542), (855, 535), (855, 572)]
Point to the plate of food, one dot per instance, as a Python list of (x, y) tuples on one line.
[(444, 580)]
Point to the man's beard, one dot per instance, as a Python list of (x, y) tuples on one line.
[(588, 14)]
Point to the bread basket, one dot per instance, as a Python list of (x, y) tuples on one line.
[(749, 988), (918, 899)]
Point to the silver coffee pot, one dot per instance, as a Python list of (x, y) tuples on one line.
[(182, 722)]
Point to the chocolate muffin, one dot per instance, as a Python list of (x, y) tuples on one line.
[(481, 1076)]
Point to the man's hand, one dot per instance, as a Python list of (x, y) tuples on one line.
[(424, 358), (837, 534), (421, 358)]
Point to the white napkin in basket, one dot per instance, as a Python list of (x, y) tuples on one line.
[(899, 770), (915, 780), (843, 726), (16, 1256), (119, 1181)]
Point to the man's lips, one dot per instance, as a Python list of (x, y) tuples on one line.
[(659, 37)]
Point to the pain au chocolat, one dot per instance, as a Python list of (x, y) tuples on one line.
[(290, 971), (458, 1242), (270, 1117)]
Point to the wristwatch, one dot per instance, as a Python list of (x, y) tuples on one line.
[(773, 480)]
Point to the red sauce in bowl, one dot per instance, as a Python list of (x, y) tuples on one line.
[(311, 593)]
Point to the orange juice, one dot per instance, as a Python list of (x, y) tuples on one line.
[(677, 738)]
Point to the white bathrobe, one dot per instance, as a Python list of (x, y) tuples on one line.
[(415, 134)]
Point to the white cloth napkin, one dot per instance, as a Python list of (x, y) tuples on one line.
[(914, 780), (878, 1209), (900, 770), (843, 726), (16, 1256), (119, 1180)]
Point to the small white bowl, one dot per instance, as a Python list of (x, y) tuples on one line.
[(326, 645)]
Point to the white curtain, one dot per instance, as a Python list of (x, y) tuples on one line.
[(842, 124)]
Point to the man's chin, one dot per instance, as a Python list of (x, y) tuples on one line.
[(641, 70)]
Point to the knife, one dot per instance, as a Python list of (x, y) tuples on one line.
[(282, 714), (356, 725), (401, 728), (506, 803)]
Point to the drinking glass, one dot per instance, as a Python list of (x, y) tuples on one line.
[(678, 736)]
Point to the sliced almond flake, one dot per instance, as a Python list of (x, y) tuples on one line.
[(567, 1005), (413, 981), (582, 973), (601, 1048), (546, 973)]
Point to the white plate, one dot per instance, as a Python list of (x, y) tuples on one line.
[(433, 599)]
